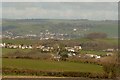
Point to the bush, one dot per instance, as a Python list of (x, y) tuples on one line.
[(34, 54), (110, 69)]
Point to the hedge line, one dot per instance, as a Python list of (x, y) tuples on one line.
[(9, 71)]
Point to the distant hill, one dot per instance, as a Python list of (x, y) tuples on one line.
[(75, 27)]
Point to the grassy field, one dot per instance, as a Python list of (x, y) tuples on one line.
[(10, 51), (19, 41), (6, 51), (60, 26), (51, 65), (81, 40), (111, 41)]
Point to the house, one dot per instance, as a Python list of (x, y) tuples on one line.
[(39, 47), (19, 46), (90, 55), (74, 54), (71, 54), (15, 46), (30, 47), (2, 45), (45, 50), (71, 50), (93, 56), (10, 46), (98, 57), (56, 57), (109, 54), (68, 48), (110, 50), (78, 47), (24, 47)]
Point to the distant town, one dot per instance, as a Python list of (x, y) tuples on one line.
[(42, 36)]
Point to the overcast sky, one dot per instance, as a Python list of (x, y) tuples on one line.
[(60, 10)]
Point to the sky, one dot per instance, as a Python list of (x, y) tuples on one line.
[(60, 0), (60, 10)]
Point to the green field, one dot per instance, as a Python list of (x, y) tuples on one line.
[(19, 41), (6, 51), (45, 65), (111, 41), (60, 26), (51, 65)]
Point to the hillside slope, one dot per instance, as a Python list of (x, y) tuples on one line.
[(76, 27)]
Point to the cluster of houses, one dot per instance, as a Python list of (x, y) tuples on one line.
[(71, 51), (14, 46), (42, 47), (92, 56), (22, 46), (42, 36)]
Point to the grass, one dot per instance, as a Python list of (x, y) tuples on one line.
[(9, 51), (62, 26), (111, 41), (6, 51), (51, 65), (19, 41)]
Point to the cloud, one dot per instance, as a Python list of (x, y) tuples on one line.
[(61, 10)]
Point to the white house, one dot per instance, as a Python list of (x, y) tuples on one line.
[(2, 44), (30, 47), (110, 50), (71, 50), (15, 46), (19, 46), (78, 47), (109, 54), (98, 57), (93, 56)]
